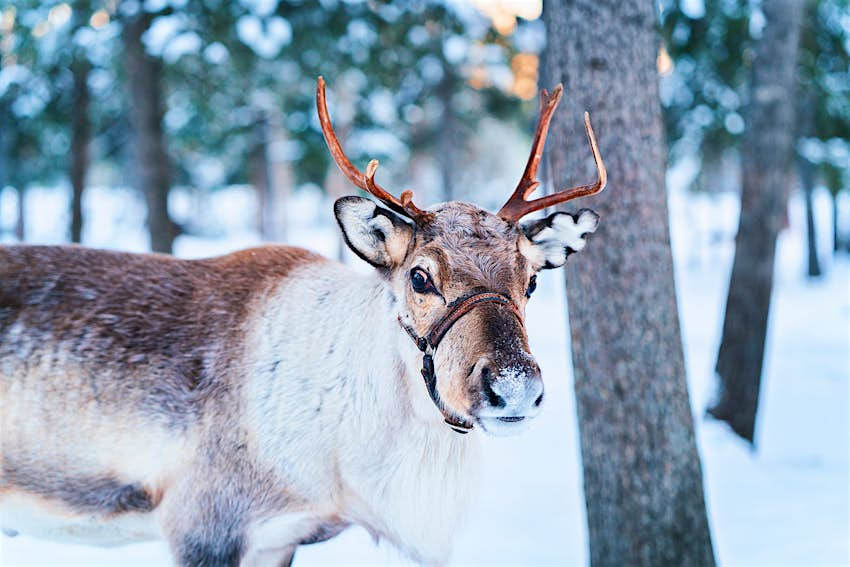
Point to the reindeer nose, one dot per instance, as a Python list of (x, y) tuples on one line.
[(510, 390)]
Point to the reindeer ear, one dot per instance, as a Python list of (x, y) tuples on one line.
[(552, 239), (374, 233)]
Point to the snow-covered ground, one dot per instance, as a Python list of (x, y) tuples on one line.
[(786, 503)]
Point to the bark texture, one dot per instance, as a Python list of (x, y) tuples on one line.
[(642, 477), (144, 82), (80, 138), (766, 158)]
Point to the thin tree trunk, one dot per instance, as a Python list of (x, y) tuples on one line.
[(5, 160), (446, 152), (144, 81), (836, 237), (766, 158), (642, 476), (261, 177), (80, 138), (807, 181), (832, 179), (281, 176), (271, 176), (20, 224)]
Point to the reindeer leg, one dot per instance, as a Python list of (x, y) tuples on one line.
[(196, 553), (204, 528)]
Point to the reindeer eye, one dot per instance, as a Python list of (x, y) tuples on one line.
[(420, 281), (532, 285)]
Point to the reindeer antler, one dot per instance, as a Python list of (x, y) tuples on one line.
[(517, 206), (406, 200), (403, 206)]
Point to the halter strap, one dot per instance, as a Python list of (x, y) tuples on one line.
[(428, 345)]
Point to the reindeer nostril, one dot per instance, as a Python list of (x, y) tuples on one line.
[(538, 401), (493, 398)]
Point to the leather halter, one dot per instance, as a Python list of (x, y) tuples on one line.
[(428, 345)]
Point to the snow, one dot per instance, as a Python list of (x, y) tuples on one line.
[(694, 9), (13, 74), (163, 30), (455, 48), (784, 503), (184, 44), (216, 53), (382, 107), (262, 8), (265, 36)]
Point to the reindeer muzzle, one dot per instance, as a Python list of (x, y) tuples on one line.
[(428, 345)]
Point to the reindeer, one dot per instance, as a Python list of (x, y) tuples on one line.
[(244, 405)]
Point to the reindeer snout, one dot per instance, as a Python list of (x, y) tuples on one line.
[(511, 392)]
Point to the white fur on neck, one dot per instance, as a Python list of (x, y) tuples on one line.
[(345, 419)]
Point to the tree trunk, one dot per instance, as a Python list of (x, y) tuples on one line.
[(80, 138), (642, 476), (766, 157), (261, 177), (807, 180), (5, 159), (20, 224), (836, 235), (282, 178), (271, 176), (447, 139), (144, 81), (832, 178)]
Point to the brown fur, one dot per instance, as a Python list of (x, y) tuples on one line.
[(138, 349), (95, 495), (171, 323)]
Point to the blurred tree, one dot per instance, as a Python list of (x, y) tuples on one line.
[(53, 52), (226, 71), (642, 475), (767, 152), (823, 83), (240, 86), (807, 182), (33, 141), (80, 121), (832, 177), (706, 80), (153, 163), (805, 119), (704, 83)]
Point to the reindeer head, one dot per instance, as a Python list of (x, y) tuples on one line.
[(462, 277)]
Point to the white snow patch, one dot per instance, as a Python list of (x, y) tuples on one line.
[(265, 36), (511, 383)]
